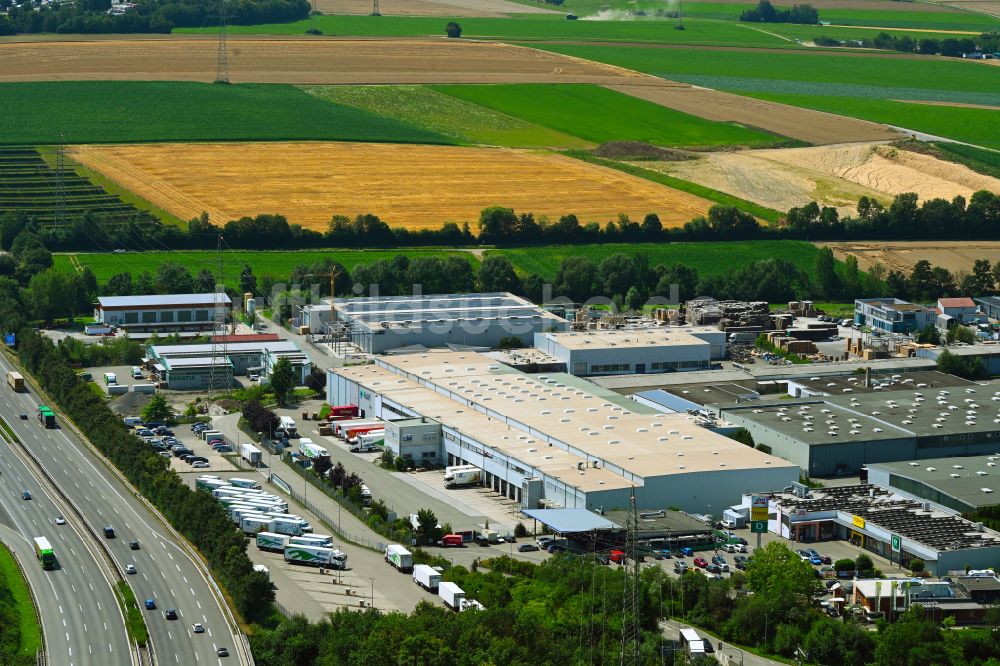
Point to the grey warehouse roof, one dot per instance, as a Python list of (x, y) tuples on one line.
[(566, 521), (415, 311), (974, 480), (161, 351), (155, 300)]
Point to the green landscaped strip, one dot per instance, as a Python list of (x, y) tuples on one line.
[(707, 258), (818, 67), (278, 264), (434, 111), (984, 161), (139, 111), (970, 125), (522, 27), (756, 210), (18, 607), (598, 115)]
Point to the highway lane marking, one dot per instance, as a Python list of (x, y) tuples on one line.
[(170, 555), (60, 609), (72, 551), (199, 604), (65, 625), (81, 607), (91, 586), (178, 567), (176, 658), (185, 578), (192, 592)]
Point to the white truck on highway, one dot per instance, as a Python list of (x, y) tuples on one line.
[(273, 542), (251, 454), (399, 557), (317, 557), (426, 577), (312, 450), (452, 595), (462, 475)]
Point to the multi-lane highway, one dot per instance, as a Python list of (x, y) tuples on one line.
[(81, 618), (164, 570)]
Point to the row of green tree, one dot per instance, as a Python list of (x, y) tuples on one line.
[(571, 610), (765, 12), (987, 42), (195, 515), (977, 218), (157, 16)]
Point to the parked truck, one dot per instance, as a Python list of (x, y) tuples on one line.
[(320, 541), (110, 379), (287, 423), (369, 441), (399, 557), (208, 484), (244, 483), (252, 524), (312, 450), (289, 526), (273, 542), (315, 556), (251, 454), (426, 577), (452, 595), (340, 428), (462, 475), (16, 381), (342, 412), (366, 495)]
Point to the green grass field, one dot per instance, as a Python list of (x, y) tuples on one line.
[(17, 611), (523, 27), (448, 115), (598, 114), (976, 126), (278, 264), (707, 258), (138, 111)]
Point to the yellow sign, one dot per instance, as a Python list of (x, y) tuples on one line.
[(858, 521), (758, 508)]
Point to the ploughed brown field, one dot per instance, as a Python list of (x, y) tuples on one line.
[(418, 187), (956, 256)]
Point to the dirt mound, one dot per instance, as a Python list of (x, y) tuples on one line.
[(638, 150), (415, 186), (129, 404)]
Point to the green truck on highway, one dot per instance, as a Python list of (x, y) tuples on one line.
[(46, 417)]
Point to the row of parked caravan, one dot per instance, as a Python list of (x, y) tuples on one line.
[(429, 578), (253, 509)]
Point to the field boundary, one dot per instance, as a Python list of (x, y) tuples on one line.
[(762, 212)]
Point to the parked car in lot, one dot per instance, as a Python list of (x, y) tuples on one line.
[(200, 464), (735, 548), (223, 449), (687, 552), (713, 568), (680, 567), (527, 548), (700, 562), (804, 554)]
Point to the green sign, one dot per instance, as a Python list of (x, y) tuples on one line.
[(896, 543), (758, 527)]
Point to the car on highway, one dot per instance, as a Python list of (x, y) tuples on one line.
[(130, 568), (24, 417), (60, 520), (150, 604), (25, 495), (222, 652), (133, 545), (171, 614), (109, 532), (527, 548), (700, 562), (198, 628)]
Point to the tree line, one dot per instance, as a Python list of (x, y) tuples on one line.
[(196, 515), (765, 12), (153, 16), (977, 218), (954, 47), (569, 610)]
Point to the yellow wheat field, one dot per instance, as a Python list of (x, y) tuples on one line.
[(417, 187)]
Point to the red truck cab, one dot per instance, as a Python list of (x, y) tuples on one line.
[(451, 540), (617, 556)]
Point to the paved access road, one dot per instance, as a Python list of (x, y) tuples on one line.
[(81, 618), (164, 570)]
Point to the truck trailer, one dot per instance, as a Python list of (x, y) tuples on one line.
[(16, 381), (288, 526), (452, 595), (110, 379), (46, 417), (426, 577), (342, 412), (251, 454), (462, 475), (287, 423), (369, 441), (273, 542), (244, 483), (252, 524), (315, 556), (311, 450), (399, 557), (340, 428)]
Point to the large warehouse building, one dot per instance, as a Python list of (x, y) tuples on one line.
[(377, 324), (639, 351), (832, 435), (189, 367), (163, 313), (965, 484), (545, 440)]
